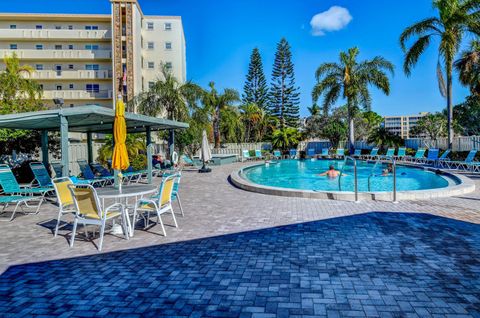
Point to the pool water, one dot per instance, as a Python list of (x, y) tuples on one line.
[(304, 175)]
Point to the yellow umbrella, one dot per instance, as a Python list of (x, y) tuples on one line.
[(120, 155)]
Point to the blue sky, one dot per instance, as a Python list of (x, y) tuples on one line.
[(220, 35)]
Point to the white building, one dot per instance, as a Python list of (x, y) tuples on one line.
[(402, 125), (82, 58)]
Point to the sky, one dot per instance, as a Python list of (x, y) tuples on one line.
[(221, 34)]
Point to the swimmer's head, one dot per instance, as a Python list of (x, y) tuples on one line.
[(332, 167)]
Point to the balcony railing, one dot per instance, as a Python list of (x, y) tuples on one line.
[(58, 54), (77, 94), (46, 34), (74, 75)]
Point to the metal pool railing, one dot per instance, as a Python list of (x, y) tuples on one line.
[(354, 175), (394, 173)]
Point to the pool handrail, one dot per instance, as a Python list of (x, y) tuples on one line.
[(355, 176)]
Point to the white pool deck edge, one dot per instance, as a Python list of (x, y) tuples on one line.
[(465, 185)]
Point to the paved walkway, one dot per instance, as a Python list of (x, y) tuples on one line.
[(434, 261)]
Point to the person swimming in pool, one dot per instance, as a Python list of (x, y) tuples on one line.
[(331, 172)]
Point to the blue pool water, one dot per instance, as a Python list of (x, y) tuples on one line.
[(303, 175)]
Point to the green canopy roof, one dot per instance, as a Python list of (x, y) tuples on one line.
[(85, 119)]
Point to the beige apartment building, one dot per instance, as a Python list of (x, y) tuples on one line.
[(402, 125), (88, 59)]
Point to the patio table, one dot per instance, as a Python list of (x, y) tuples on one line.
[(132, 191)]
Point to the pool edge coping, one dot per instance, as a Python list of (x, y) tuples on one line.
[(466, 185)]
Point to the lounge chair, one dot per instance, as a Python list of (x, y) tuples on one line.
[(40, 173), (246, 155), (158, 204), (188, 163), (310, 152), (443, 158), (57, 168), (89, 211), (357, 153), (372, 155), (419, 156), (402, 151), (467, 164), (293, 153), (340, 153), (389, 155), (277, 154), (17, 200), (88, 174), (432, 156), (258, 154), (324, 153)]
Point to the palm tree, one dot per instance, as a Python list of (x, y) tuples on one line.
[(455, 19), (382, 137), (468, 67), (285, 138), (215, 102), (351, 79)]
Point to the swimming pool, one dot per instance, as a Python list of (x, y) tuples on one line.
[(301, 178)]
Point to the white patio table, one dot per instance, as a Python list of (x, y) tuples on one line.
[(122, 195)]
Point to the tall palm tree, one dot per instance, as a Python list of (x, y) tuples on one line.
[(215, 102), (468, 67), (351, 80), (455, 19)]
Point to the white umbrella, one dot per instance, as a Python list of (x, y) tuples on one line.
[(206, 153)]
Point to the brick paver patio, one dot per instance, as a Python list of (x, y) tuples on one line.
[(346, 264)]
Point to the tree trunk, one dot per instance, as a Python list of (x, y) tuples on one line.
[(216, 128), (449, 107), (351, 129)]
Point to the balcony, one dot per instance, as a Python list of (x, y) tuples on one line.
[(78, 94), (72, 75), (59, 54), (53, 34)]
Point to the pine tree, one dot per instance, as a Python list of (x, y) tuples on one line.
[(284, 94), (255, 88)]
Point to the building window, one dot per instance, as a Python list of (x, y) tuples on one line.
[(59, 87), (70, 46), (91, 47), (92, 67), (150, 85), (70, 66), (58, 27), (70, 27), (39, 67), (150, 26), (58, 46), (13, 26), (91, 27), (168, 65), (70, 86), (168, 26), (93, 88), (13, 46), (150, 45), (151, 65), (39, 47), (39, 27), (168, 45)]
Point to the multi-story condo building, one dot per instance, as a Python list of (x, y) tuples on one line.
[(402, 125), (88, 59)]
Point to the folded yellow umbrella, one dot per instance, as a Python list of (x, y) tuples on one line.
[(120, 155)]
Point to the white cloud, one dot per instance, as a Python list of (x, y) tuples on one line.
[(334, 19)]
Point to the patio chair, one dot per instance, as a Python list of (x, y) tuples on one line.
[(357, 153), (159, 204), (89, 211), (467, 164), (64, 199), (17, 200), (89, 175), (432, 156), (372, 155), (389, 154), (418, 157), (340, 153), (310, 153), (277, 154), (176, 186), (258, 154), (40, 173), (292, 153), (57, 168), (246, 155), (443, 158), (10, 186), (324, 152), (400, 153)]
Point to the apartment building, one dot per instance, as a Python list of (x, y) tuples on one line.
[(402, 125), (88, 59)]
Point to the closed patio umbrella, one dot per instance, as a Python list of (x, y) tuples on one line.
[(206, 153), (120, 155)]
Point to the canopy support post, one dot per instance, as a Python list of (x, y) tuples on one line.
[(89, 147), (171, 142), (44, 143), (148, 133), (64, 145)]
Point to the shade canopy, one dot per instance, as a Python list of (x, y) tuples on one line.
[(85, 119)]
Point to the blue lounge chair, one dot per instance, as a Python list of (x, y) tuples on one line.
[(390, 153), (293, 153), (88, 174), (277, 154), (57, 168), (310, 152), (246, 155), (419, 156), (443, 158), (340, 153), (432, 156), (17, 200), (324, 152), (40, 173), (372, 155), (467, 164), (357, 153), (402, 151), (258, 154)]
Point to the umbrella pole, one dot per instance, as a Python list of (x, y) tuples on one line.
[(204, 168)]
